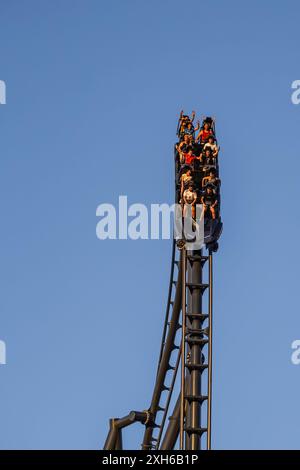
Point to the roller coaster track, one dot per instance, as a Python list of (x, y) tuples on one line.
[(186, 344), (188, 418)]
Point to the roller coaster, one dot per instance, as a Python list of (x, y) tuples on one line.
[(185, 357)]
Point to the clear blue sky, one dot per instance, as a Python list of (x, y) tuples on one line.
[(93, 93)]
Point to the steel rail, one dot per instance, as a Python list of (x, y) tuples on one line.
[(167, 405), (168, 308), (172, 432), (164, 366)]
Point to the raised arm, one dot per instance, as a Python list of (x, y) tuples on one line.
[(197, 127), (198, 136), (180, 116)]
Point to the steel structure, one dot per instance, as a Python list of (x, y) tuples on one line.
[(185, 356)]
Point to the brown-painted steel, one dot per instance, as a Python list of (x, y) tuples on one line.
[(195, 353), (167, 404), (113, 440), (172, 431), (168, 308)]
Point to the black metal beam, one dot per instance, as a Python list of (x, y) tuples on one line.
[(172, 431), (113, 440)]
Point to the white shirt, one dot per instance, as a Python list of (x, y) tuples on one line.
[(189, 196), (213, 147)]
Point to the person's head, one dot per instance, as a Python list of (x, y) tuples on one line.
[(211, 139), (188, 172), (190, 150), (186, 138), (207, 152), (191, 188), (189, 126), (209, 190), (206, 125), (211, 173)]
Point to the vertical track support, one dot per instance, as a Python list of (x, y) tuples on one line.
[(196, 353), (209, 377), (182, 393)]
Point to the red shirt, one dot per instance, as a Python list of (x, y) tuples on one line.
[(205, 134), (189, 158)]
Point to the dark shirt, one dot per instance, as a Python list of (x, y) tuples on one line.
[(209, 199)]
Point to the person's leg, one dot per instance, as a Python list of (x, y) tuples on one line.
[(213, 212), (203, 211)]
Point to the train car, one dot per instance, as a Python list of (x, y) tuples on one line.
[(197, 171)]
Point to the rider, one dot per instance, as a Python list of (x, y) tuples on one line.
[(208, 159), (190, 129), (184, 119), (189, 156), (204, 133), (186, 180), (211, 180), (209, 201), (189, 199), (185, 143), (211, 143)]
